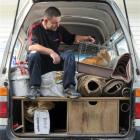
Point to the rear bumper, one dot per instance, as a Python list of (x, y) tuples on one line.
[(137, 134), (5, 134)]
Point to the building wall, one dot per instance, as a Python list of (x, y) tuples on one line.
[(7, 11), (133, 7)]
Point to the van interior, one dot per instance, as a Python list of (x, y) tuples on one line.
[(104, 113)]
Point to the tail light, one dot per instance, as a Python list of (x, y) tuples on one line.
[(3, 105), (137, 92), (137, 104), (137, 110), (3, 109), (3, 91)]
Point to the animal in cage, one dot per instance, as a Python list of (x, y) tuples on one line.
[(102, 59)]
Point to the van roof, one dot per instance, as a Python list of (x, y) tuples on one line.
[(35, 1)]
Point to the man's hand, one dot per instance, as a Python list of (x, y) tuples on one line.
[(56, 58), (91, 39), (80, 38)]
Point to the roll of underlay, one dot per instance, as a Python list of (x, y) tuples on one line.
[(113, 88), (89, 85), (126, 92), (30, 107), (125, 107)]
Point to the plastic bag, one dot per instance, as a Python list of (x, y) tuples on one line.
[(51, 84)]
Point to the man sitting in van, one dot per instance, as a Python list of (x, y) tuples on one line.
[(44, 40)]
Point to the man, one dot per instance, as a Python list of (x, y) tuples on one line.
[(44, 39)]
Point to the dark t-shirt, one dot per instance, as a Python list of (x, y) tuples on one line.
[(50, 39)]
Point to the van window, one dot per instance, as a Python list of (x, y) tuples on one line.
[(122, 47), (17, 52), (17, 48)]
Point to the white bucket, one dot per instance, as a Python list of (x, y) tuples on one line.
[(20, 87), (20, 83)]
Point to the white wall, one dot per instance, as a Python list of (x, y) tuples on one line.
[(7, 11)]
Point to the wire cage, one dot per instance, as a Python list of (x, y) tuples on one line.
[(87, 49)]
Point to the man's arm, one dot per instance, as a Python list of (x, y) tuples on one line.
[(41, 49), (36, 47), (79, 38), (70, 38)]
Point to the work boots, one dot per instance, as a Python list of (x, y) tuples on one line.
[(70, 92), (34, 93)]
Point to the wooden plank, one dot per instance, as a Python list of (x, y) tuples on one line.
[(94, 70), (46, 135), (101, 118)]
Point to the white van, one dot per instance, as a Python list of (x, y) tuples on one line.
[(112, 117)]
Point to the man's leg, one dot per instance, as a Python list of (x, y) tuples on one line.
[(69, 69), (38, 64), (69, 74), (34, 60), (35, 69)]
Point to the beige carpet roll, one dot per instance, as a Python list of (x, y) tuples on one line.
[(89, 85)]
